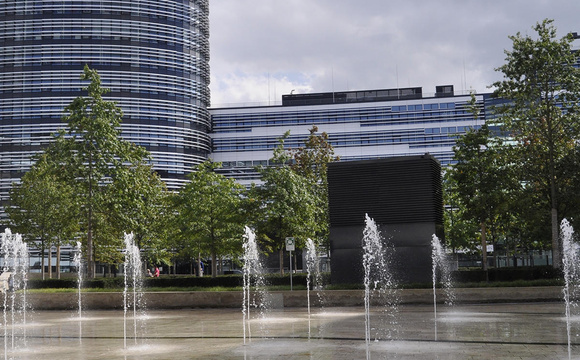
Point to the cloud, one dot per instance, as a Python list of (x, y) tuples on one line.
[(262, 49)]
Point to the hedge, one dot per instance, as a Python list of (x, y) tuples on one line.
[(226, 281), (236, 280), (507, 274)]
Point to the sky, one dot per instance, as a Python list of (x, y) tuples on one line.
[(262, 49)]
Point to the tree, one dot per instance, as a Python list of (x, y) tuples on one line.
[(209, 214), (92, 158), (139, 203), (288, 204), (480, 176), (42, 208), (459, 229), (311, 161), (543, 89)]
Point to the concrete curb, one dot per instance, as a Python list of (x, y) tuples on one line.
[(279, 299)]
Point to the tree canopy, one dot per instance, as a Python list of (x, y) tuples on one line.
[(542, 87), (209, 215)]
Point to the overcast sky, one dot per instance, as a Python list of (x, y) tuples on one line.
[(261, 49)]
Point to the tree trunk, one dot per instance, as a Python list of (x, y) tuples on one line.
[(483, 247), (281, 261), (213, 264), (556, 255), (50, 262), (90, 262), (199, 267), (42, 262), (58, 262)]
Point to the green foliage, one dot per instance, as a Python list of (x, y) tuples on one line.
[(208, 218), (481, 181), (543, 89), (70, 283), (139, 203), (311, 161), (460, 230), (42, 206), (287, 204)]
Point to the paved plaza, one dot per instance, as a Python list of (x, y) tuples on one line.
[(490, 331)]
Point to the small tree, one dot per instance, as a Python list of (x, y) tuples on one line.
[(481, 177), (209, 214), (288, 204), (311, 161), (42, 208)]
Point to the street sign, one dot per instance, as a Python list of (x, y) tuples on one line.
[(289, 244)]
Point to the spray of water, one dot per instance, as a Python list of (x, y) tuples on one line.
[(133, 289), (380, 286), (14, 253), (77, 261), (254, 286), (441, 268), (571, 267), (314, 278)]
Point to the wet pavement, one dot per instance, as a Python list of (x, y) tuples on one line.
[(490, 331)]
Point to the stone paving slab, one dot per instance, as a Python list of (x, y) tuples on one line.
[(471, 331)]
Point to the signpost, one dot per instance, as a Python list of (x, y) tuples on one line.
[(290, 245)]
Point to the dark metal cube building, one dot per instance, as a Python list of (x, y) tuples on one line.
[(403, 196)]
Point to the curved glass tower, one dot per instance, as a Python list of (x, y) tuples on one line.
[(152, 54)]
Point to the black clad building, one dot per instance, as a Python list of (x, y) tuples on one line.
[(403, 196)]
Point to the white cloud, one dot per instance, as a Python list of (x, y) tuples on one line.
[(326, 45), (259, 89)]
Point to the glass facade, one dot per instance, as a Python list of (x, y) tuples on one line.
[(152, 55), (371, 128)]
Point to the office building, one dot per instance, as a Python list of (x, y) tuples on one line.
[(152, 55), (362, 125)]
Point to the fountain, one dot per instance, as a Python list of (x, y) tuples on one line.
[(77, 261), (571, 268), (379, 282), (253, 276), (442, 271), (314, 278), (13, 286), (526, 330), (133, 284)]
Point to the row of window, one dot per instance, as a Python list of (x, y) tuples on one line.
[(240, 121), (134, 106), (418, 136), (408, 119), (420, 107), (200, 73), (140, 57), (133, 81), (148, 8), (16, 33)]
